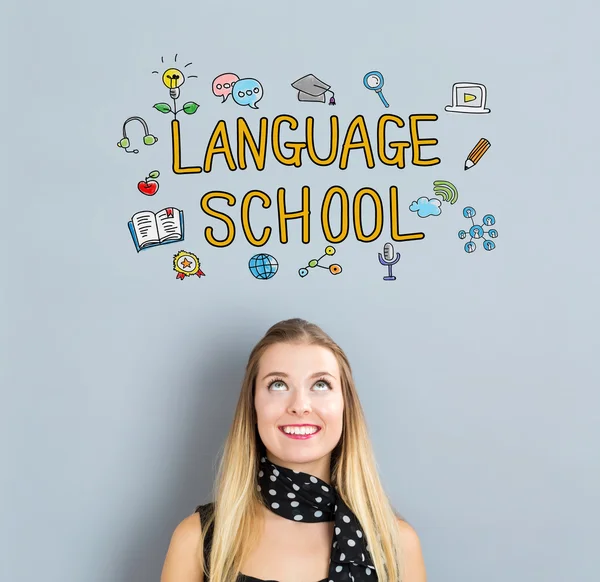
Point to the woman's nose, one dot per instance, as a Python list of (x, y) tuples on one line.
[(300, 403)]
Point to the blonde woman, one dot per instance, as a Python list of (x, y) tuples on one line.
[(297, 496)]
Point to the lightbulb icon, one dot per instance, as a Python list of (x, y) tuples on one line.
[(173, 79)]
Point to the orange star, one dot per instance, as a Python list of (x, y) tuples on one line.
[(186, 263)]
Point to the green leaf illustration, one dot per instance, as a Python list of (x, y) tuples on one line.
[(163, 107), (154, 174), (190, 107)]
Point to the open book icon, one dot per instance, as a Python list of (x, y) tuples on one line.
[(150, 229)]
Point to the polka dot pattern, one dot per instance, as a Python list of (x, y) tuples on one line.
[(305, 498)]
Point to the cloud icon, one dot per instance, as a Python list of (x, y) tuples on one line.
[(425, 207)]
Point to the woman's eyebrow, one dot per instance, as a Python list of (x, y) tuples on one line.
[(284, 375)]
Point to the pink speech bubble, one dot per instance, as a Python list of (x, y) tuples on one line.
[(223, 85)]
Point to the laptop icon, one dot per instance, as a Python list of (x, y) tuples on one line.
[(468, 98)]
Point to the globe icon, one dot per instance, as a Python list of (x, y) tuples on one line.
[(263, 266)]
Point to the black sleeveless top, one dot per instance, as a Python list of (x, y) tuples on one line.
[(204, 511)]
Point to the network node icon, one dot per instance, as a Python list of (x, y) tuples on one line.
[(478, 232), (334, 268)]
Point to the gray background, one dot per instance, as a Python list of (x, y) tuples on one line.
[(476, 371)]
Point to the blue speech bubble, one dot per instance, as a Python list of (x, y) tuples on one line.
[(247, 92)]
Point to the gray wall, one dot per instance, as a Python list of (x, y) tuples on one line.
[(477, 371)]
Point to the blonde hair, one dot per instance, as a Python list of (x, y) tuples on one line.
[(354, 472)]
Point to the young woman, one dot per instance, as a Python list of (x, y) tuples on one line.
[(297, 495)]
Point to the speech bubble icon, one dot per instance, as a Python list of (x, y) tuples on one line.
[(247, 92), (223, 85)]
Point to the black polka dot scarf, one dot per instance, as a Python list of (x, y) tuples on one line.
[(304, 497)]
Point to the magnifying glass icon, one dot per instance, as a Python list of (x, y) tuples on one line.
[(374, 82)]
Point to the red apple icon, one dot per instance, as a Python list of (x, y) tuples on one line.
[(149, 187)]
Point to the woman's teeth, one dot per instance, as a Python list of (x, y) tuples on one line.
[(300, 430)]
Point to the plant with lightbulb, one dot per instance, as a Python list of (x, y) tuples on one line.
[(173, 79)]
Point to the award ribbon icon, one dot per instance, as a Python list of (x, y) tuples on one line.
[(186, 264)]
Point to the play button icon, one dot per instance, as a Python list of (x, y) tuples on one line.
[(468, 98)]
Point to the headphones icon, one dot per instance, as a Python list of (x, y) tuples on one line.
[(149, 139)]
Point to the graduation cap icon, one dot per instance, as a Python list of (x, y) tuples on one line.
[(312, 89)]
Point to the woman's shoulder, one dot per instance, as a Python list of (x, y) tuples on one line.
[(180, 562), (414, 565), (188, 530)]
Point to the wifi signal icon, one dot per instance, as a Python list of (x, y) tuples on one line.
[(446, 191)]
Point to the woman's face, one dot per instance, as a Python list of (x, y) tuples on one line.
[(299, 384)]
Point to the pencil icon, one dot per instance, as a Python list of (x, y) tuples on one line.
[(483, 145)]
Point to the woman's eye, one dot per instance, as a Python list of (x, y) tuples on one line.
[(277, 384)]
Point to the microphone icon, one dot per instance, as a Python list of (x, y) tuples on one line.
[(387, 259)]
